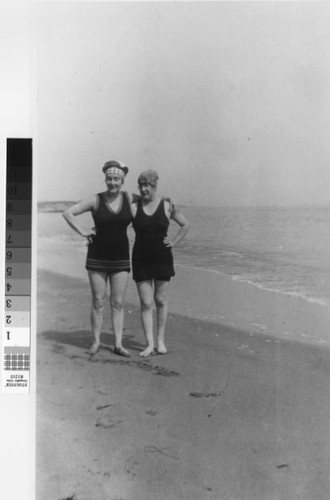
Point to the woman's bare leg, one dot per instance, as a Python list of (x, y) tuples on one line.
[(98, 283), (118, 286), (161, 288), (146, 294)]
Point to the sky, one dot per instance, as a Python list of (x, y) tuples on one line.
[(228, 101)]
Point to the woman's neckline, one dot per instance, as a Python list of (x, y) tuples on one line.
[(146, 213), (107, 203)]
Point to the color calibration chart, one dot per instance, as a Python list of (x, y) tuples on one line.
[(17, 328)]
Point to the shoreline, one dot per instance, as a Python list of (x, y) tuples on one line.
[(241, 304), (311, 300), (211, 296)]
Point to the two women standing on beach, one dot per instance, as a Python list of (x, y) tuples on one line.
[(108, 253)]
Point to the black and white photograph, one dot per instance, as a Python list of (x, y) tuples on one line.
[(181, 162)]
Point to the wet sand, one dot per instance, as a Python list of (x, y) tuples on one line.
[(238, 409)]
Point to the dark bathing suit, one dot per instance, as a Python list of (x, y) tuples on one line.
[(151, 259), (109, 251)]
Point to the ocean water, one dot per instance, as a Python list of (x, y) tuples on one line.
[(286, 250)]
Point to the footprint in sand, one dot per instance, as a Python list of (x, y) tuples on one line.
[(106, 422), (205, 394), (57, 348), (102, 407), (130, 465), (152, 413)]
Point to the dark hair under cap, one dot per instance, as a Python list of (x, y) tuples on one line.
[(115, 164), (148, 177)]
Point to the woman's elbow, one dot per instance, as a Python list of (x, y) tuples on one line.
[(66, 215), (187, 226)]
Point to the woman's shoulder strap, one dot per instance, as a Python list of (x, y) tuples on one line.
[(127, 198), (169, 208), (98, 198)]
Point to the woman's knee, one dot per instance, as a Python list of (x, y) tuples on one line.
[(117, 304), (146, 305), (98, 303), (160, 300)]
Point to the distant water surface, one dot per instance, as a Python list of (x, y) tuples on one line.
[(280, 249)]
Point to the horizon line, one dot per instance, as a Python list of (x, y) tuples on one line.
[(273, 205)]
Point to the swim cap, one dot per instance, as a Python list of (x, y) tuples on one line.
[(115, 168), (148, 177)]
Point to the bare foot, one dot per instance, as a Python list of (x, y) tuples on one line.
[(161, 349), (147, 352), (93, 350), (122, 352)]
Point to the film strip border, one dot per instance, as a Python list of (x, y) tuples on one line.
[(17, 358)]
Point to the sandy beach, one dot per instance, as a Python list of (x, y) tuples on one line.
[(237, 409)]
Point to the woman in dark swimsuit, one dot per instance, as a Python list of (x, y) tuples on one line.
[(108, 251), (152, 258)]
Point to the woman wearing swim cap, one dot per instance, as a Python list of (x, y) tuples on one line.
[(108, 251), (152, 258)]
